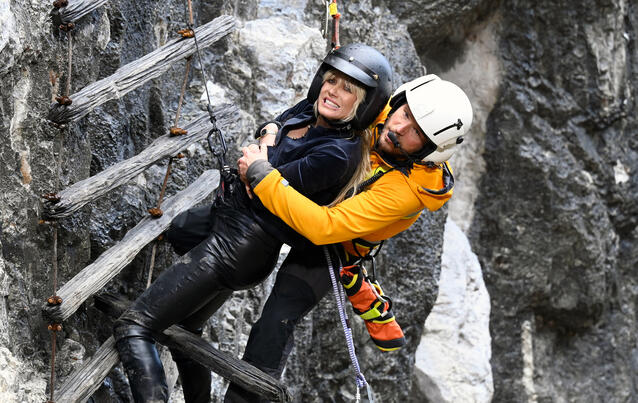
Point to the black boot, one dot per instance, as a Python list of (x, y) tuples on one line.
[(141, 361), (195, 377), (237, 394)]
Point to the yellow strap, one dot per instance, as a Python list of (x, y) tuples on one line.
[(333, 9), (384, 321), (354, 280), (388, 349), (372, 312)]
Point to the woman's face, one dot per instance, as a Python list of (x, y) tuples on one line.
[(336, 98)]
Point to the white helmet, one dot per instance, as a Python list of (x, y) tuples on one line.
[(441, 109)]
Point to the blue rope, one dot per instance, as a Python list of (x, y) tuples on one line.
[(347, 331)]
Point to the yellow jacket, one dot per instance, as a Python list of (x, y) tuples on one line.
[(388, 206)]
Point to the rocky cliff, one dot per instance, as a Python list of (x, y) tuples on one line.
[(545, 191)]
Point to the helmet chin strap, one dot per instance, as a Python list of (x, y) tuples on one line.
[(336, 124)]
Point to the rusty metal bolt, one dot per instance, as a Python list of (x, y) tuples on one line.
[(54, 300), (52, 197), (60, 3), (176, 131), (186, 33), (180, 155), (67, 27), (64, 100), (160, 237), (156, 212), (55, 327)]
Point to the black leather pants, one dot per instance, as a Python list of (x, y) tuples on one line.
[(237, 254), (302, 281)]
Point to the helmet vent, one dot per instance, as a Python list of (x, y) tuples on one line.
[(423, 83), (458, 126)]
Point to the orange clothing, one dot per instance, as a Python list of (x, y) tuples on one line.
[(387, 207)]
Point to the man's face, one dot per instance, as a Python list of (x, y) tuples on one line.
[(408, 132)]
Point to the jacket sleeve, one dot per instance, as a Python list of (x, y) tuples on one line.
[(355, 217), (323, 168)]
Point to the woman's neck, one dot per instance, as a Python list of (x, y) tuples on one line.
[(323, 122)]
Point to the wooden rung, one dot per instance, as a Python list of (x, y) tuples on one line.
[(76, 9), (86, 379), (95, 276), (79, 194), (131, 76), (197, 349)]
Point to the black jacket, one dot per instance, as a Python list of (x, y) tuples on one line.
[(318, 165)]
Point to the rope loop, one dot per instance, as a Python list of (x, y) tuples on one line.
[(60, 3), (63, 100), (176, 131), (68, 27), (186, 33)]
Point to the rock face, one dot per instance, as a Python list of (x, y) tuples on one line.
[(545, 185), (452, 360), (555, 224)]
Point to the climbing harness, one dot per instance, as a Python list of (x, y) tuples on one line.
[(347, 331)]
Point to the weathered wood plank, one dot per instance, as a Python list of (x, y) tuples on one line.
[(84, 381), (76, 9), (79, 194), (94, 276), (133, 75), (198, 349)]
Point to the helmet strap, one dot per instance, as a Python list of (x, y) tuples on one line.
[(334, 123), (338, 124)]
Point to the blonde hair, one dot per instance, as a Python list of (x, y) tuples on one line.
[(362, 170), (366, 137)]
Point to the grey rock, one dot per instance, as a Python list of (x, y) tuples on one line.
[(546, 189), (453, 357)]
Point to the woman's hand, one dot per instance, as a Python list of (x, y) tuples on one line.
[(251, 153), (268, 135)]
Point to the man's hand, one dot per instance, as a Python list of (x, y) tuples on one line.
[(251, 153)]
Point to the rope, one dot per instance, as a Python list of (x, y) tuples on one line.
[(219, 152), (175, 130), (54, 299), (347, 331), (334, 12), (69, 65)]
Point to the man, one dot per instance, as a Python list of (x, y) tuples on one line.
[(415, 135)]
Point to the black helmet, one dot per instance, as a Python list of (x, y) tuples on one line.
[(368, 67)]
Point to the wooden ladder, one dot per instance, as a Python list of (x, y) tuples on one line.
[(84, 381)]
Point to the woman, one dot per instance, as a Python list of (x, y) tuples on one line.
[(317, 152)]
